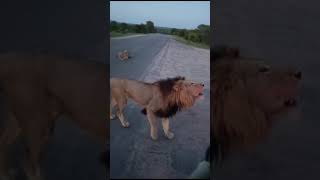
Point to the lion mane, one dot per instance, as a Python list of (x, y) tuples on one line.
[(174, 101), (247, 93)]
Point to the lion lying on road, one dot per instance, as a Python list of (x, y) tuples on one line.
[(247, 94), (41, 87), (124, 55), (162, 99)]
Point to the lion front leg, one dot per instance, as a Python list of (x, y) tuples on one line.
[(165, 126), (153, 124), (8, 137)]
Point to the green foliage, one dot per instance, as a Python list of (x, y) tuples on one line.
[(150, 27), (114, 26), (163, 30), (174, 31), (140, 28), (199, 35), (125, 28)]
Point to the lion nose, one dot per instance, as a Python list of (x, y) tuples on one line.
[(298, 75)]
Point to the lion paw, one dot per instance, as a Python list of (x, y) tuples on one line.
[(112, 117), (154, 137), (126, 124), (169, 135)]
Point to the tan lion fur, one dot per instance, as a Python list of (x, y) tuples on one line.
[(123, 55), (247, 93), (163, 99), (39, 88)]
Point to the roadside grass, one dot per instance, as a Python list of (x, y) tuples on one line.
[(118, 34), (198, 45)]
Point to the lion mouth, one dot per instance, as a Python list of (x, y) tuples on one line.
[(199, 91), (290, 102)]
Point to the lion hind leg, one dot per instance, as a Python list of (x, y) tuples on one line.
[(120, 114), (112, 104), (165, 126)]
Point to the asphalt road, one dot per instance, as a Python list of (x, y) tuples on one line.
[(143, 49), (281, 32), (133, 154)]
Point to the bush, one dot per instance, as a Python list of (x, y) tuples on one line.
[(130, 28)]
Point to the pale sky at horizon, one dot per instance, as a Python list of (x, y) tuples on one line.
[(173, 14)]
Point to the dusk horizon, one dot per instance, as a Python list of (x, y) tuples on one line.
[(170, 14)]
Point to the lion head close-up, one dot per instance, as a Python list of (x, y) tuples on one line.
[(247, 94)]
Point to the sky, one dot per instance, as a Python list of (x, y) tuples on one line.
[(173, 14)]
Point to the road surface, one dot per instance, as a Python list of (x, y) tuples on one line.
[(133, 154), (282, 32)]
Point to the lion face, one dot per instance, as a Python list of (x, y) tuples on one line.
[(271, 89), (247, 93), (193, 88)]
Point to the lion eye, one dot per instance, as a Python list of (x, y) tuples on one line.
[(264, 69)]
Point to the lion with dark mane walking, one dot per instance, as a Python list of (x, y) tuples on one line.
[(162, 99)]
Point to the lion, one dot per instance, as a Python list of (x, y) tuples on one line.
[(247, 95), (41, 87), (124, 55), (163, 99)]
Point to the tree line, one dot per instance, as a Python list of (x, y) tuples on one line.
[(132, 28), (199, 35)]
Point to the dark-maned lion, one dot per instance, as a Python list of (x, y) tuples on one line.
[(39, 88), (247, 94), (162, 99)]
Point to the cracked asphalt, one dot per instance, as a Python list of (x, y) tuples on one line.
[(132, 152)]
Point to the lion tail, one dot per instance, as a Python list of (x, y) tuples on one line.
[(144, 111)]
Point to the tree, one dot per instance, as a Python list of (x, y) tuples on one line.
[(113, 25), (174, 31), (140, 28), (204, 33), (123, 27), (150, 27), (182, 32), (191, 37), (137, 28), (186, 35), (144, 28)]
